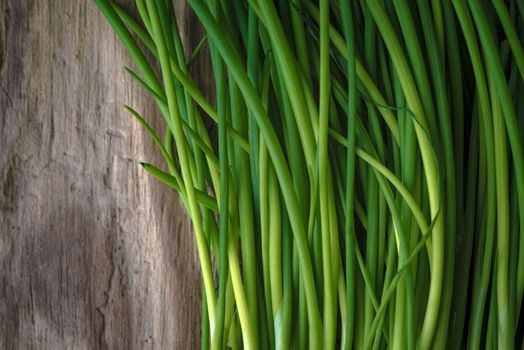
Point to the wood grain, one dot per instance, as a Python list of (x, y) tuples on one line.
[(94, 254)]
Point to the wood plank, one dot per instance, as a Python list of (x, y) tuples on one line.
[(93, 252)]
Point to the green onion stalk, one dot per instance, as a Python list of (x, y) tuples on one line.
[(364, 188)]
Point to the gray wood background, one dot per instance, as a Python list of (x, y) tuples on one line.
[(94, 254)]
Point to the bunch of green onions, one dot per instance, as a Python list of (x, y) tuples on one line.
[(366, 188)]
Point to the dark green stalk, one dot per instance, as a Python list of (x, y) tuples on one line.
[(375, 200), (465, 247), (329, 303), (505, 321), (349, 224), (218, 331)]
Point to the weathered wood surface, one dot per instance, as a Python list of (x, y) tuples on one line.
[(94, 254)]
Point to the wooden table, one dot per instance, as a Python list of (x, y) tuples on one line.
[(94, 253)]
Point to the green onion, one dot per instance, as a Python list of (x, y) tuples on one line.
[(366, 186)]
